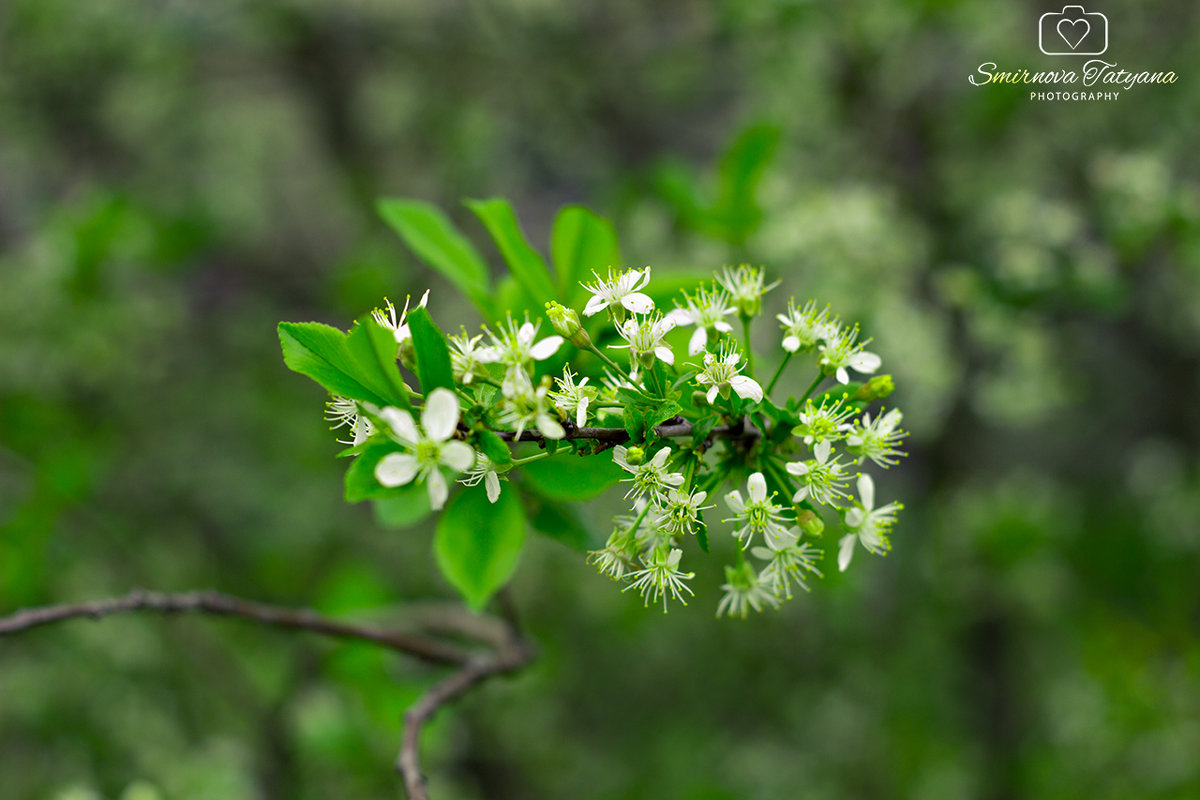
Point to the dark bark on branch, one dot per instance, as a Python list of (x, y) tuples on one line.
[(509, 650), (217, 604)]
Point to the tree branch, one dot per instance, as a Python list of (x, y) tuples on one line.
[(217, 604), (512, 655)]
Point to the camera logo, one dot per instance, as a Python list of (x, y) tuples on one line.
[(1073, 32)]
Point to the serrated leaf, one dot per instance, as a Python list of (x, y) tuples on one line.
[(374, 349), (477, 543), (571, 479), (437, 242), (662, 413), (635, 423), (526, 264), (701, 531), (433, 354), (320, 352), (702, 428), (581, 242)]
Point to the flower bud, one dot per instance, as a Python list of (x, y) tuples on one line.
[(877, 388), (635, 455), (810, 523), (566, 324)]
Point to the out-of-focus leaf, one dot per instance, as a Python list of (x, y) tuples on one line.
[(360, 477), (581, 242), (568, 478), (437, 242), (408, 506), (561, 523), (433, 354), (477, 543), (525, 263), (492, 446)]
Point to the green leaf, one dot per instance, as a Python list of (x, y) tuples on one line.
[(570, 479), (406, 508), (477, 543), (581, 241), (701, 531), (563, 524), (374, 348), (433, 354), (525, 263), (435, 240), (635, 423), (320, 352), (492, 446), (360, 477), (662, 413)]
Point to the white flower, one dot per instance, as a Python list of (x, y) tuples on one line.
[(721, 373), (681, 510), (826, 422), (877, 439), (386, 316), (705, 310), (822, 480), (427, 448), (644, 339), (467, 359), (787, 561), (804, 329), (515, 346), (574, 398), (619, 293), (343, 411), (650, 478), (484, 470), (746, 287), (661, 577), (868, 525), (744, 590), (842, 350), (759, 515), (524, 406)]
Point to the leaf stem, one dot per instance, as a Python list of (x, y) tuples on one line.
[(749, 352), (817, 382)]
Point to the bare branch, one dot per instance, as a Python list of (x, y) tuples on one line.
[(217, 604), (515, 654)]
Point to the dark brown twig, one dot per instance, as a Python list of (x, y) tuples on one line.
[(217, 604)]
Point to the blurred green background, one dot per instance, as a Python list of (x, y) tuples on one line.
[(176, 176)]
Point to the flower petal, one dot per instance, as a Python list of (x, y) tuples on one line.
[(866, 490), (698, 341), (665, 354), (401, 423), (712, 394), (822, 450), (842, 375), (458, 456), (845, 551), (440, 416), (865, 362), (681, 316), (746, 387), (581, 410), (438, 490), (550, 427), (757, 487), (491, 482), (396, 469), (854, 517), (734, 501), (546, 348), (638, 303), (791, 343), (594, 305), (796, 467)]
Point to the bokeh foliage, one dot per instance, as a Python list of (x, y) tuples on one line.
[(178, 176)]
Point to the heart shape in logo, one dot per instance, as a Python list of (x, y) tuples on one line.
[(1076, 30)]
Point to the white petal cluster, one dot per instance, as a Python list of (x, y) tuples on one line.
[(843, 351), (619, 293), (722, 372), (869, 526), (427, 448), (707, 311), (644, 339)]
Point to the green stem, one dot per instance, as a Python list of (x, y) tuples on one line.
[(786, 358), (637, 523), (620, 370), (516, 462), (820, 377)]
